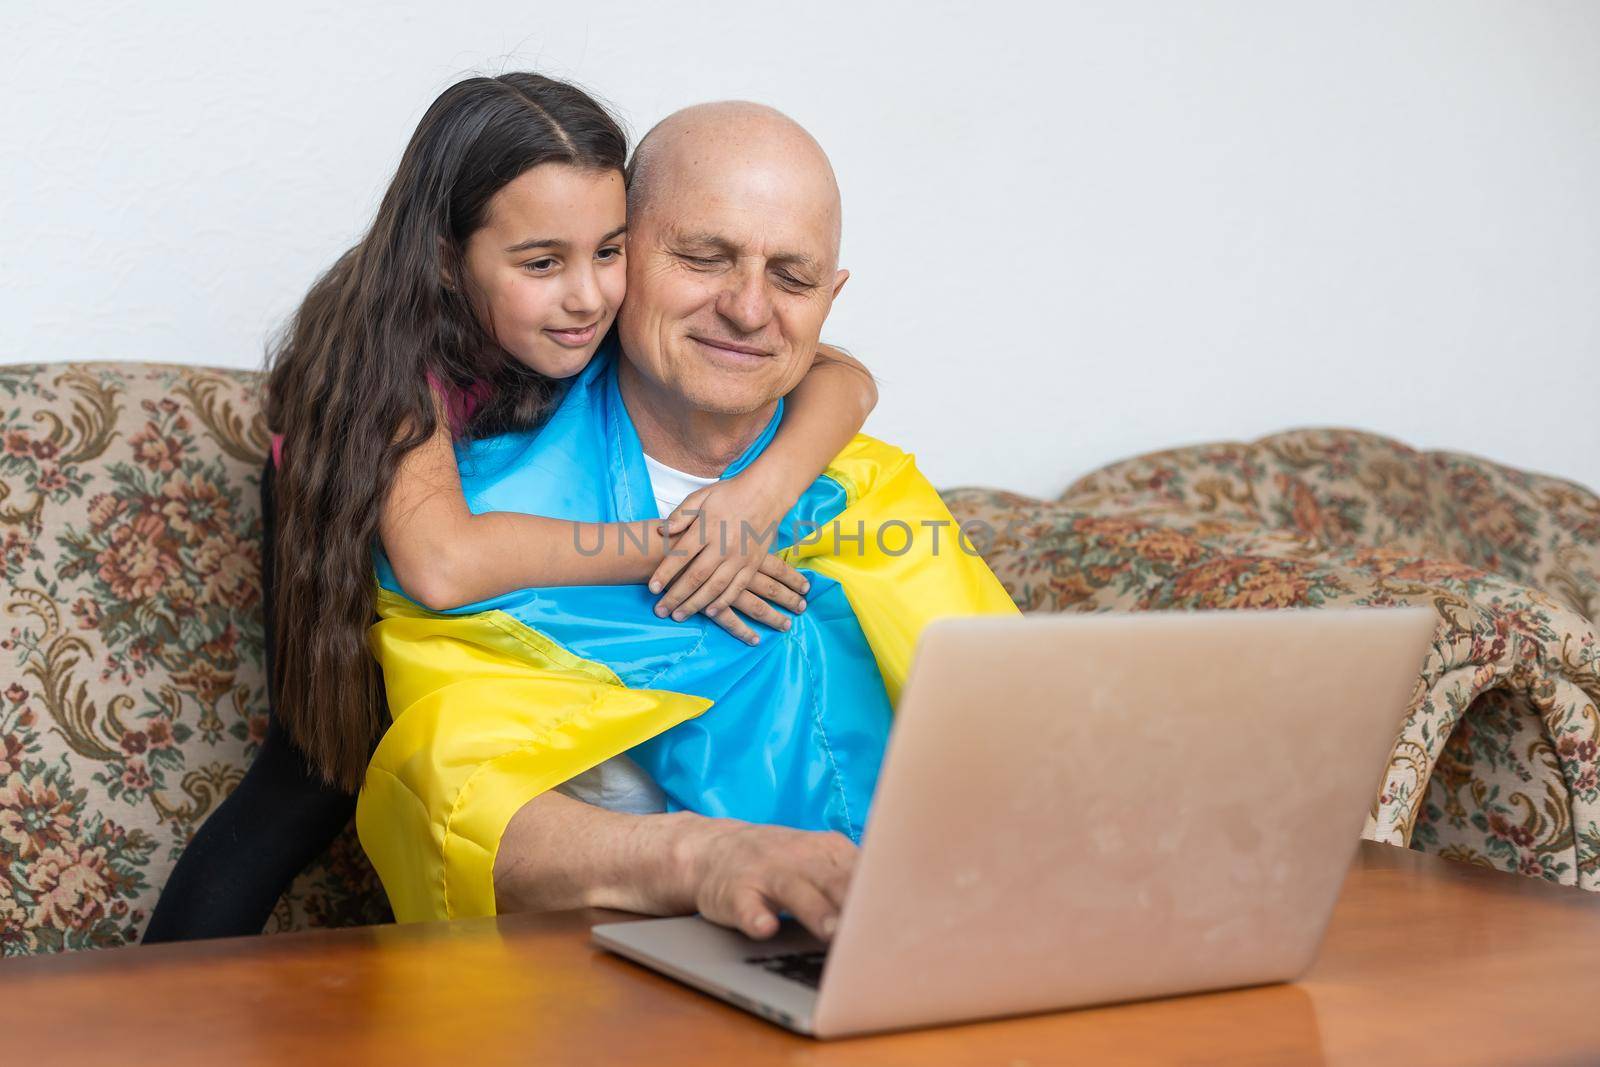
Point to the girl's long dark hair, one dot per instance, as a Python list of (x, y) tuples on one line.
[(348, 387)]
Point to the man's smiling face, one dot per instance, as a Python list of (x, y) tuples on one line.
[(732, 265)]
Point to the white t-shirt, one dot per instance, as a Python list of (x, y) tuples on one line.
[(671, 485), (619, 784)]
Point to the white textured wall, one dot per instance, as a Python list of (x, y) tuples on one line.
[(1076, 231)]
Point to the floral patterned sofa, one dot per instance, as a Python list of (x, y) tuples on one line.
[(130, 641)]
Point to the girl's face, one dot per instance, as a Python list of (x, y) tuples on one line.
[(545, 270)]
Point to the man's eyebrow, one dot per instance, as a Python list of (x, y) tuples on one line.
[(703, 239), (797, 259), (557, 243)]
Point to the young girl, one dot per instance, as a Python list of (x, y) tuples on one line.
[(492, 272)]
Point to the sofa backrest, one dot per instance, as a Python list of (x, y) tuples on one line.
[(131, 685)]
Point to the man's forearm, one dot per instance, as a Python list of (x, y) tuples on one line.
[(560, 853)]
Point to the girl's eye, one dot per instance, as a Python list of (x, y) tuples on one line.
[(610, 252), (540, 266)]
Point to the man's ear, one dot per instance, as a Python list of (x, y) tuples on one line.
[(838, 282)]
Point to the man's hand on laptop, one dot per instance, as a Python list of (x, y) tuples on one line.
[(559, 852), (744, 874)]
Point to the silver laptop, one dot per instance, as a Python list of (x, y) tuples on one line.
[(1086, 809)]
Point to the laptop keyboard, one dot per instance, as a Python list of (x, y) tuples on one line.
[(802, 967)]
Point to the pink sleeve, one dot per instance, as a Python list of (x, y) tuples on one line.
[(461, 404)]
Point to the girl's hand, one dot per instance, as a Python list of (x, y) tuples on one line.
[(718, 560)]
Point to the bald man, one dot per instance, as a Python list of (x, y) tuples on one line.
[(558, 748), (733, 265)]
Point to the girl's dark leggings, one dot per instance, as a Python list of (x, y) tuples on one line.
[(279, 818)]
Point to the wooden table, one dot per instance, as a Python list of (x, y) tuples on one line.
[(1426, 961)]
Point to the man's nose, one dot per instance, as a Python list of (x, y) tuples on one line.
[(745, 302)]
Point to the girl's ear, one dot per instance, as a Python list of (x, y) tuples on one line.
[(444, 271)]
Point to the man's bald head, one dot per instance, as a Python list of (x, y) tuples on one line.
[(728, 136), (733, 262)]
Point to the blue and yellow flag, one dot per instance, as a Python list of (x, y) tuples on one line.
[(496, 702)]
